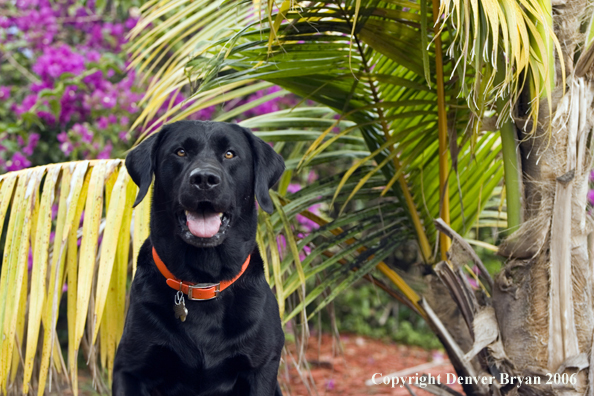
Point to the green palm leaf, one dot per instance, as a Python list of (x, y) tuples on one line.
[(363, 60)]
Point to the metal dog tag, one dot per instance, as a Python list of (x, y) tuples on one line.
[(181, 312)]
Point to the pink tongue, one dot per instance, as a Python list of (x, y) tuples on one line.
[(203, 224)]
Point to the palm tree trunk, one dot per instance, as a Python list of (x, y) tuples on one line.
[(543, 296)]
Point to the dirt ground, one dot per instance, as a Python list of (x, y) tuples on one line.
[(342, 373), (345, 374)]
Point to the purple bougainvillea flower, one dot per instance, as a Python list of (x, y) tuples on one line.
[(18, 162), (48, 117), (92, 56), (62, 137), (131, 23), (108, 101), (102, 123), (293, 188), (305, 252), (66, 148), (472, 281), (106, 152), (86, 136), (282, 245), (4, 22), (95, 34), (4, 93), (26, 105), (56, 61), (206, 113), (307, 224), (30, 147), (38, 87), (70, 104), (61, 40), (95, 80)]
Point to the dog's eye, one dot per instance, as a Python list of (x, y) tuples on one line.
[(229, 154), (181, 152)]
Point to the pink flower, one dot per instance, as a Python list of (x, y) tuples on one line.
[(33, 140), (4, 93), (93, 56), (204, 114), (282, 245), (106, 152), (66, 148), (62, 137), (102, 123), (18, 162), (293, 188), (108, 101), (303, 254), (86, 136), (28, 102), (56, 61)]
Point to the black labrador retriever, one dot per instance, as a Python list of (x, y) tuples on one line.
[(202, 319)]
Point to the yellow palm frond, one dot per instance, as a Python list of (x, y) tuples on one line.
[(27, 197)]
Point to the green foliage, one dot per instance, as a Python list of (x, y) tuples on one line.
[(363, 309), (363, 60)]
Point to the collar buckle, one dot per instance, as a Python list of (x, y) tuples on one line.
[(204, 286)]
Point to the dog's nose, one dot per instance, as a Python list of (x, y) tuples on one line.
[(204, 179)]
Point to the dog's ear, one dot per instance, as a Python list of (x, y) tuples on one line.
[(140, 163), (268, 168)]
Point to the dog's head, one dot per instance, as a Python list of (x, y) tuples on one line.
[(207, 174)]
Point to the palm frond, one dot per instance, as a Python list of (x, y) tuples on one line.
[(344, 250), (30, 195), (372, 72), (522, 31)]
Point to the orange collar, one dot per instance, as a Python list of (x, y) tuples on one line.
[(196, 291)]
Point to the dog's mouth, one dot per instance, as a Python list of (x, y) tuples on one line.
[(205, 222)]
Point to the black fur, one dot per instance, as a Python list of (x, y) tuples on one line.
[(230, 345)]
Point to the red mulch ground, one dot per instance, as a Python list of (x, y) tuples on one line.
[(345, 374)]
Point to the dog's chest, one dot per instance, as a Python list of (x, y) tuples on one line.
[(209, 335)]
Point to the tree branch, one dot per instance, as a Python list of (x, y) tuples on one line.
[(30, 76)]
